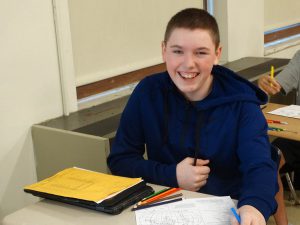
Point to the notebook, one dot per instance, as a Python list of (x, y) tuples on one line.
[(114, 205), (92, 190)]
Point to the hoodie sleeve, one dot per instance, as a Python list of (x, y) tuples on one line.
[(258, 169), (127, 154)]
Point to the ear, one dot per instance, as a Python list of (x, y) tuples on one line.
[(163, 50), (218, 55)]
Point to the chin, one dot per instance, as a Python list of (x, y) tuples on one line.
[(187, 90)]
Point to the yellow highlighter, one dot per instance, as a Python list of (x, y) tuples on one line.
[(272, 74)]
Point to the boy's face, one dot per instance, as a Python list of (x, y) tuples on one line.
[(189, 56)]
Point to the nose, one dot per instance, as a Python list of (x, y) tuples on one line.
[(189, 61)]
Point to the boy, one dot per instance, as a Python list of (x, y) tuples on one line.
[(201, 123)]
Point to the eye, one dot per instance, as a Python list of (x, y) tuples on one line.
[(201, 53), (177, 51)]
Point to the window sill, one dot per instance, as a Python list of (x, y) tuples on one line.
[(279, 45), (105, 96)]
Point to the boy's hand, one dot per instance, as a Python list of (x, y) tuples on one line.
[(191, 177), (269, 85), (249, 216)]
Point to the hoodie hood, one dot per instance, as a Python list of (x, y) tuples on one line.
[(229, 87)]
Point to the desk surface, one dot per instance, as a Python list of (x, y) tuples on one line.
[(48, 212), (293, 124)]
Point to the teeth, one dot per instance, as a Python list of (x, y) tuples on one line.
[(188, 75)]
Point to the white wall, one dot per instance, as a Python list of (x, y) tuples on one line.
[(29, 92), (279, 13), (241, 31), (116, 36), (245, 28)]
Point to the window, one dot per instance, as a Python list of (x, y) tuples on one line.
[(118, 42), (282, 21)]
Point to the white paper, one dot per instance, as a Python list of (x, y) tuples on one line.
[(196, 211), (288, 111)]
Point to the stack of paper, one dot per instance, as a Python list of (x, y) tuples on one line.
[(84, 184), (288, 111), (197, 211)]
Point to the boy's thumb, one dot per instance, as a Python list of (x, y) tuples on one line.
[(202, 162)]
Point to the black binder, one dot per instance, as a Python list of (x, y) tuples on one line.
[(114, 205)]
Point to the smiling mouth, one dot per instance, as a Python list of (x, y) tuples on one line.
[(188, 75)]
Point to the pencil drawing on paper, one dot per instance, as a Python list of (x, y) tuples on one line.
[(214, 211)]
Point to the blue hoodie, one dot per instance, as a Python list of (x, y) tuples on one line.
[(227, 127)]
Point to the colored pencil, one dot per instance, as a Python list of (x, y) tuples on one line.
[(281, 129), (156, 193), (276, 121), (161, 199), (156, 204), (238, 218), (272, 74), (164, 194)]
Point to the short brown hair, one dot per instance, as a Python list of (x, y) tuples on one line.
[(193, 18)]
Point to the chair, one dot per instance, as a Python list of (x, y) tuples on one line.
[(288, 172)]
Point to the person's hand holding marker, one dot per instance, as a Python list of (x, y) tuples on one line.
[(269, 84), (247, 215)]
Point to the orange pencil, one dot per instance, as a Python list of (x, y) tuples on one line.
[(171, 191)]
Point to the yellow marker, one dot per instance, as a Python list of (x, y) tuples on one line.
[(272, 74)]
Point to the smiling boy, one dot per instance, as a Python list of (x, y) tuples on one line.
[(201, 124)]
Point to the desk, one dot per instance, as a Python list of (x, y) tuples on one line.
[(293, 124), (47, 212)]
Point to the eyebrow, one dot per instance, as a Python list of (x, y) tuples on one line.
[(175, 46), (178, 46)]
